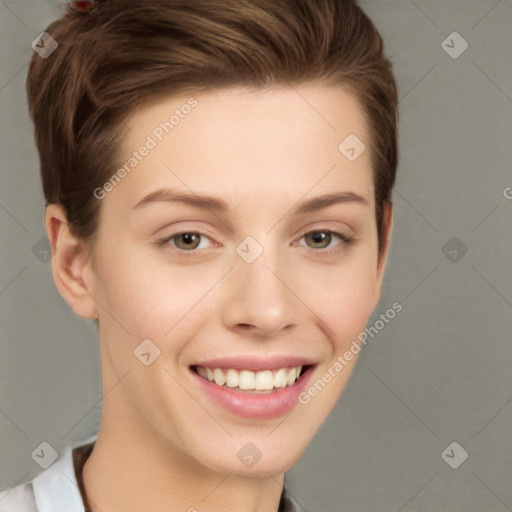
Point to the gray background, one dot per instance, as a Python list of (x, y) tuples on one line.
[(439, 372)]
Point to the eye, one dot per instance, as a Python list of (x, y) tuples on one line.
[(321, 238), (187, 241)]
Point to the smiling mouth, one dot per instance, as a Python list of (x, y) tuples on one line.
[(249, 381)]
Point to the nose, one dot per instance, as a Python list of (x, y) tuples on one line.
[(260, 299)]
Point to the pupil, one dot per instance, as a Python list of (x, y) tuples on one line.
[(319, 237), (188, 238)]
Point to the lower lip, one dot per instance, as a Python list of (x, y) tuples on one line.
[(255, 405)]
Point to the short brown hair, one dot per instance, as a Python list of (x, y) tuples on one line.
[(130, 53)]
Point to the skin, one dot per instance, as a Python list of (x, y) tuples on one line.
[(161, 445)]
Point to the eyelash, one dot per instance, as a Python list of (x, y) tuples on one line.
[(345, 240)]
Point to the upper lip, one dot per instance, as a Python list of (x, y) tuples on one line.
[(256, 363)]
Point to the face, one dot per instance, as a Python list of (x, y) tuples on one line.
[(254, 285)]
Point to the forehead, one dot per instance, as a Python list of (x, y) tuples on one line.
[(246, 145)]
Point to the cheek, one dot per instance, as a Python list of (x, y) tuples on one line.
[(346, 301), (146, 295), (152, 298)]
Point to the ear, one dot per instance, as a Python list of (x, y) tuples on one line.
[(387, 225), (71, 264)]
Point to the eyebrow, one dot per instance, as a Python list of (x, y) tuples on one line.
[(209, 202)]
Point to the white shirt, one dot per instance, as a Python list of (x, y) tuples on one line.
[(56, 489)]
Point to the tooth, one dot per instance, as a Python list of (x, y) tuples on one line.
[(246, 380), (219, 377), (291, 376), (264, 380), (280, 378), (232, 378)]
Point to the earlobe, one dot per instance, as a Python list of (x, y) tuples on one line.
[(70, 263)]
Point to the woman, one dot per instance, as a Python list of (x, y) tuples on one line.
[(218, 179)]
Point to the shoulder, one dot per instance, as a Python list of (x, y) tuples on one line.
[(18, 499)]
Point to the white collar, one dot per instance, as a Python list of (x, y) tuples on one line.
[(56, 488)]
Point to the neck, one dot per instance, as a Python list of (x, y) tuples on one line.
[(134, 470)]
